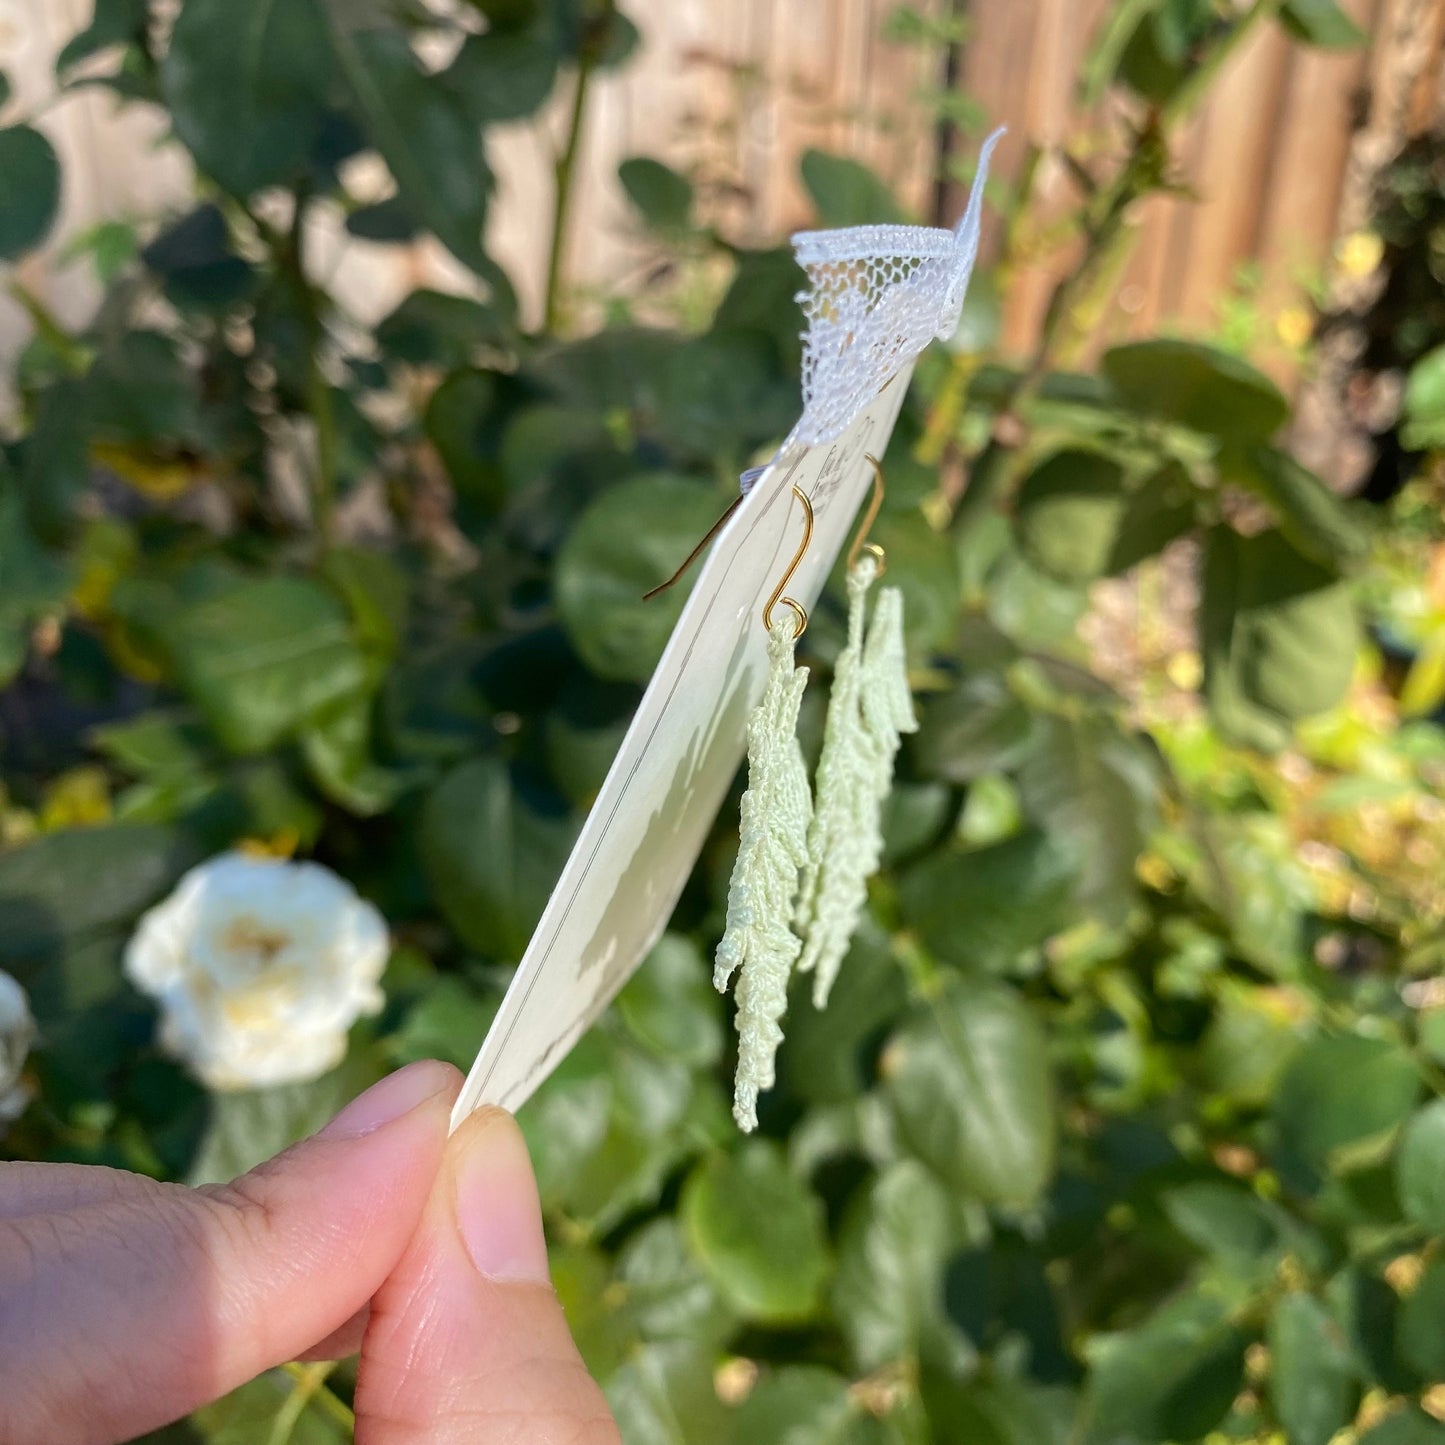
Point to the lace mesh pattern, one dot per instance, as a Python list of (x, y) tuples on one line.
[(877, 295)]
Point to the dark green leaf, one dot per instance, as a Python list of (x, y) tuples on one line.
[(630, 539), (798, 1405), (664, 1395), (845, 192), (33, 583), (423, 131), (246, 85), (758, 1232), (1146, 67), (1340, 1089), (719, 394), (1311, 1376), (978, 727), (491, 857), (113, 22), (66, 886), (434, 327), (663, 197), (1278, 634), (1317, 522), (1070, 509), (1196, 386), (461, 421), (505, 74), (969, 1083), (1421, 1331), (1094, 785), (249, 1415), (1323, 23), (1172, 1378), (887, 1290), (29, 190), (1420, 1168), (987, 907), (1157, 512), (259, 656), (671, 1006), (997, 1410), (336, 744), (667, 1295), (1407, 1426), (198, 264)]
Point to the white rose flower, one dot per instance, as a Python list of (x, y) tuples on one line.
[(17, 1033), (260, 966)]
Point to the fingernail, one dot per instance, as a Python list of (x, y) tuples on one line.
[(498, 1211), (395, 1095)]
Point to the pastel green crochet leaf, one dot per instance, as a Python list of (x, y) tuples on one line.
[(759, 943), (869, 709)]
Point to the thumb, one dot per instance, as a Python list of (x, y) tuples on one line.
[(467, 1341)]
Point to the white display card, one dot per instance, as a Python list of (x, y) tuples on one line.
[(675, 765)]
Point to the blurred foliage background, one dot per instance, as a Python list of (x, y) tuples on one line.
[(1123, 1124)]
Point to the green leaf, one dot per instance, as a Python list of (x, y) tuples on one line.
[(491, 857), (461, 420), (505, 75), (1340, 1089), (1278, 634), (246, 86), (33, 583), (845, 192), (336, 744), (113, 22), (448, 1022), (66, 886), (757, 1231), (423, 131), (433, 327), (248, 1416), (1409, 1426), (969, 1083), (1069, 511), (798, 1405), (666, 1295), (1096, 786), (29, 190), (249, 1126), (1322, 23), (1158, 511), (988, 907), (1146, 67), (924, 567), (1318, 523), (1311, 1377), (1222, 1218), (978, 727), (1420, 1168), (260, 656), (888, 1287), (1172, 1378), (1425, 403), (670, 1005), (200, 268), (719, 394), (664, 1395), (1196, 386), (630, 539), (997, 1410), (1421, 1331), (663, 198)]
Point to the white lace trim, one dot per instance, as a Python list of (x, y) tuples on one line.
[(877, 295)]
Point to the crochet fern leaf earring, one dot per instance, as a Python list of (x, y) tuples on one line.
[(869, 709), (759, 943)]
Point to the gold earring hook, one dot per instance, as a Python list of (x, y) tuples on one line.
[(799, 611), (860, 542), (698, 550)]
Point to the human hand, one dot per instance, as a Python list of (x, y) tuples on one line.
[(125, 1303)]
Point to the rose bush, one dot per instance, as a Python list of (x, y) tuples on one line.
[(1119, 1126)]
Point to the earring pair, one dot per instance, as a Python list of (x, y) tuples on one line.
[(806, 853)]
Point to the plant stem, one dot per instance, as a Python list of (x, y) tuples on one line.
[(315, 1388), (562, 201), (310, 1381)]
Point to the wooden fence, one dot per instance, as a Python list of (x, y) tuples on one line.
[(735, 90)]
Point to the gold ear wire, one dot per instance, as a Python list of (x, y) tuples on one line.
[(799, 611), (696, 551), (860, 542)]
